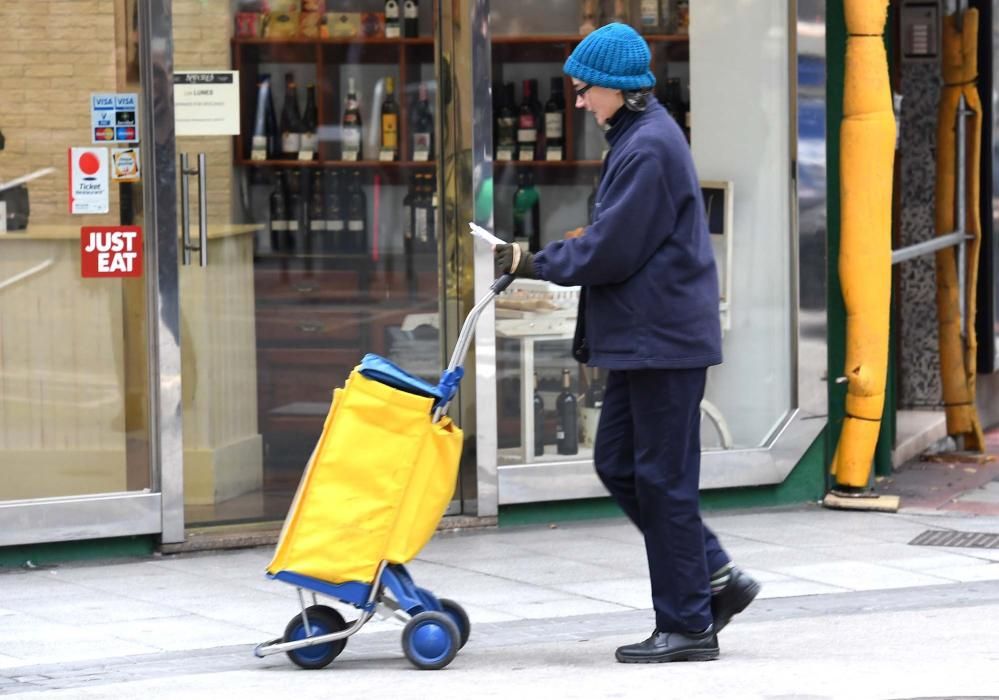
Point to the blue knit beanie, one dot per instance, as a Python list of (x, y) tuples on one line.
[(614, 56)]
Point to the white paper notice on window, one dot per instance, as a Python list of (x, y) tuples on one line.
[(206, 103)]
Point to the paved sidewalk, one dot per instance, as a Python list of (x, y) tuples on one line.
[(180, 604)]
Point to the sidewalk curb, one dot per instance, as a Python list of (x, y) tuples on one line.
[(266, 534)]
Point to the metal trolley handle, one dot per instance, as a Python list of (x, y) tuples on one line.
[(468, 330)]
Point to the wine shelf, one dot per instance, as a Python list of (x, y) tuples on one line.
[(575, 38), (333, 41), (428, 41), (345, 164)]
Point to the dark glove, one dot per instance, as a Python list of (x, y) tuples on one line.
[(511, 258)]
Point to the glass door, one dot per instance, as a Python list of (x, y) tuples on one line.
[(308, 228), (74, 372)]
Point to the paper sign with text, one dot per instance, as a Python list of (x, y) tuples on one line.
[(111, 251)]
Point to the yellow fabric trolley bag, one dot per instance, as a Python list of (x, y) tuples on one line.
[(374, 490)]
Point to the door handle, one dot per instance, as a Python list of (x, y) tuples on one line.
[(185, 208), (203, 208)]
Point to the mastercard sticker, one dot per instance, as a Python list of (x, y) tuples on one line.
[(104, 134)]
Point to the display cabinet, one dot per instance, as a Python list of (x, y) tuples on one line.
[(337, 155)]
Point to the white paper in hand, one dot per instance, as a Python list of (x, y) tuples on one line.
[(484, 235)]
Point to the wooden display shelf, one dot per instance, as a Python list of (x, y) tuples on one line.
[(362, 164), (547, 164), (573, 38), (548, 172), (334, 41), (429, 40)]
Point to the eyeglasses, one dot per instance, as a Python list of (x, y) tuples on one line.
[(582, 91)]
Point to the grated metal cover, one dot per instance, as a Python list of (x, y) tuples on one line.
[(956, 538)]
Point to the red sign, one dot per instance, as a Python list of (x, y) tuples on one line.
[(111, 251)]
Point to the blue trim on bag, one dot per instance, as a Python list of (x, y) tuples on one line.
[(381, 370)]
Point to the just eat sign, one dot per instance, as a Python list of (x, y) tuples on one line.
[(111, 251)]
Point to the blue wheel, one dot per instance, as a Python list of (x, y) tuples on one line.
[(459, 617), (322, 620), (430, 640)]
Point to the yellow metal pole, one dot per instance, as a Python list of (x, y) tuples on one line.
[(867, 152)]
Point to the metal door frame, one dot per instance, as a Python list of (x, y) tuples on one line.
[(163, 273), (158, 509)]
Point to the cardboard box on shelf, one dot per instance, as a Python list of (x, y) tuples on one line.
[(281, 25), (249, 24), (310, 25), (344, 24), (373, 24)]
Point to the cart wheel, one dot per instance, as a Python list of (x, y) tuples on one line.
[(459, 617), (322, 620), (430, 640)]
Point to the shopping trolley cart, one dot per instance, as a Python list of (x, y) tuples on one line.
[(374, 490)]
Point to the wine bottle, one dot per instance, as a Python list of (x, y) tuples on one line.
[(527, 213), (527, 126), (555, 121), (309, 147), (682, 16), (393, 26), (595, 390), (296, 211), (539, 420), (390, 123), (536, 102), (351, 127), (279, 215), (648, 16), (336, 221), (261, 145), (589, 17), (274, 136), (567, 428), (421, 215), (291, 121), (672, 99), (357, 216), (408, 214), (410, 18), (422, 127), (316, 240), (432, 220), (617, 13), (506, 125)]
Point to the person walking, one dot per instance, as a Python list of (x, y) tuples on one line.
[(648, 314)]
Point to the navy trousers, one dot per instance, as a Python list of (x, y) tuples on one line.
[(648, 455)]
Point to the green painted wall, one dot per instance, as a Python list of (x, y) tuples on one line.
[(83, 550)]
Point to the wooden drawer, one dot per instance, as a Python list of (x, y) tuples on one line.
[(315, 286), (292, 325)]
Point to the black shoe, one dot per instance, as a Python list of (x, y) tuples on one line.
[(671, 646), (737, 594)]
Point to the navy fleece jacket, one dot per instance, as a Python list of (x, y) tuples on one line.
[(650, 286)]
